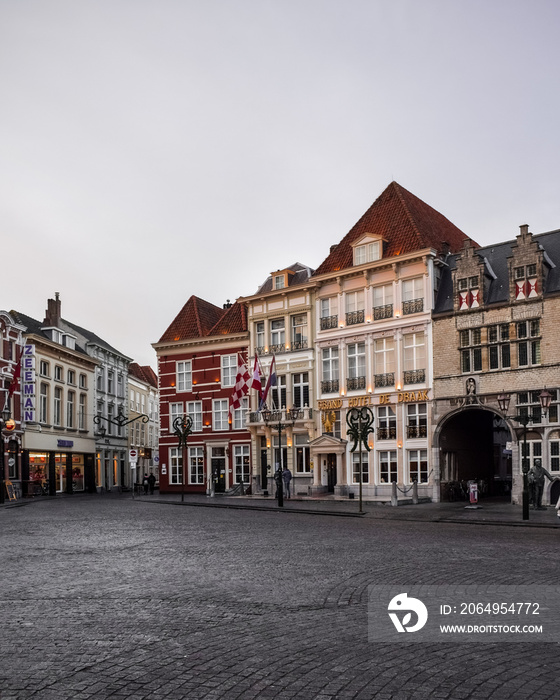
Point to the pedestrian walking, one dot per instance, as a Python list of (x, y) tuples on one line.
[(287, 478), (145, 484), (152, 483)]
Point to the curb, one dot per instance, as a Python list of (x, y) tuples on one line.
[(270, 509)]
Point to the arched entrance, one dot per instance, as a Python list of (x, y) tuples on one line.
[(472, 446)]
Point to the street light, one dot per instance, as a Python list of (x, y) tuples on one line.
[(275, 417), (545, 397), (182, 427), (360, 425), (5, 417)]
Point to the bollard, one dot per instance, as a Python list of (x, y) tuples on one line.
[(394, 499), (415, 493)]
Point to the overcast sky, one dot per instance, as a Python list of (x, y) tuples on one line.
[(155, 149)]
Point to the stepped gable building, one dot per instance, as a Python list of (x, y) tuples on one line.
[(374, 296), (496, 326), (281, 320), (197, 368), (143, 406)]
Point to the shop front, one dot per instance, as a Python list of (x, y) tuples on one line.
[(61, 467)]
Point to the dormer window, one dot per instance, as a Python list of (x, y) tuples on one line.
[(526, 282), (368, 252), (279, 281), (469, 293)]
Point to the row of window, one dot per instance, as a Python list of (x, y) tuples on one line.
[(195, 465), (386, 422), (58, 374), (494, 343), (73, 413), (384, 472), (384, 363), (107, 383), (220, 419), (382, 304)]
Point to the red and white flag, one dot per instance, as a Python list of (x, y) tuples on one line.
[(242, 382), (256, 378)]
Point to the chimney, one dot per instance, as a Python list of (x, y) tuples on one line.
[(52, 314)]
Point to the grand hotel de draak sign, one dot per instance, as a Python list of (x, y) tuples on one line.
[(368, 400)]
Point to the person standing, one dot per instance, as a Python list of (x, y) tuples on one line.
[(287, 478), (145, 484), (151, 483)]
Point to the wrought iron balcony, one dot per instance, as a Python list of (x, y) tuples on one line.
[(353, 317), (330, 386), (415, 376), (385, 379), (381, 312), (387, 433), (329, 322), (280, 347), (353, 383), (299, 345), (414, 306), (416, 431)]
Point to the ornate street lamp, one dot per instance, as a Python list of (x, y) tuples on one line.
[(182, 427), (4, 418), (274, 420), (524, 419), (360, 425)]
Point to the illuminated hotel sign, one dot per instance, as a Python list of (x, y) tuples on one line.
[(28, 383), (368, 400)]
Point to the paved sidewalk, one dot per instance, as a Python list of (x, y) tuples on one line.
[(489, 512)]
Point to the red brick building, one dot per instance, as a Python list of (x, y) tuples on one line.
[(197, 366)]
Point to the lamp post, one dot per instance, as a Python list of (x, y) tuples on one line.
[(5, 417), (274, 419), (360, 425), (182, 427), (524, 419), (120, 420)]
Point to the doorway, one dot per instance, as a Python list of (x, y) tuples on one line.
[(473, 447), (218, 463), (331, 472)]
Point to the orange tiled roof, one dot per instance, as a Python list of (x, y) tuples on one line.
[(234, 320), (143, 372), (404, 221), (199, 318), (194, 320)]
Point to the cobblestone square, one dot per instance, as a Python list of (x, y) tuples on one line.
[(109, 597)]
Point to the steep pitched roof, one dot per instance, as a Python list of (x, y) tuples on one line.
[(234, 320), (144, 373), (36, 327), (199, 318), (404, 221), (90, 337)]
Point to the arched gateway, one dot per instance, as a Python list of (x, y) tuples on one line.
[(471, 444)]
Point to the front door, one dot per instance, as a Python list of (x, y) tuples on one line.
[(219, 469), (331, 472)]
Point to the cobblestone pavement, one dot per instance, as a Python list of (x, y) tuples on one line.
[(109, 597)]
